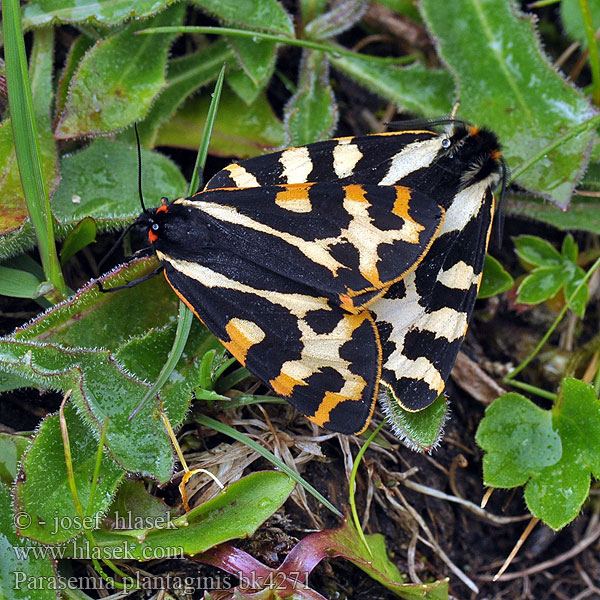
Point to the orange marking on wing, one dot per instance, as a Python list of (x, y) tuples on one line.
[(295, 197), (402, 202), (355, 193), (328, 403), (152, 237), (163, 208), (243, 335), (284, 385)]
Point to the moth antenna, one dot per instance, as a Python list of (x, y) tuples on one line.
[(139, 152)]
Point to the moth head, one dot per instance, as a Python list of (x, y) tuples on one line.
[(154, 220)]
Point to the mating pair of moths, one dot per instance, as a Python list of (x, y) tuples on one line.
[(332, 269)]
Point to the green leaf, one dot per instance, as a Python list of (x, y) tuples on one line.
[(257, 60), (101, 182), (542, 284), (239, 130), (42, 488), (135, 508), (583, 212), (569, 249), (311, 113), (421, 431), (118, 79), (20, 567), (425, 92), (341, 17), (495, 279), (235, 513), (12, 448), (558, 492), (263, 15), (18, 284), (184, 76), (537, 251), (507, 83), (103, 347), (39, 13), (76, 53), (578, 303), (570, 14), (83, 235), (518, 439)]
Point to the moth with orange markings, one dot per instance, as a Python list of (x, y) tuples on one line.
[(341, 269)]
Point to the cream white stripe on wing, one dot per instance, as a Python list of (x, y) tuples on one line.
[(345, 157), (296, 165), (465, 207), (297, 304), (414, 156), (316, 251), (241, 177), (458, 277)]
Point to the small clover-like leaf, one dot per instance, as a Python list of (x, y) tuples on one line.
[(569, 248), (537, 251), (518, 439), (495, 279), (554, 452), (542, 284), (558, 492), (578, 303)]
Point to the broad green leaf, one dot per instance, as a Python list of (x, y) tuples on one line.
[(312, 113), (257, 61), (570, 14), (65, 349), (537, 251), (507, 83), (101, 182), (421, 431), (118, 79), (42, 489), (13, 216), (542, 284), (425, 92), (581, 298), (235, 513), (264, 15), (583, 212), (39, 13), (12, 448), (184, 76), (82, 236), (20, 567), (495, 279), (18, 284), (239, 130), (558, 492), (518, 439)]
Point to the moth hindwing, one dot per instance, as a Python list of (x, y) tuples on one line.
[(331, 268)]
